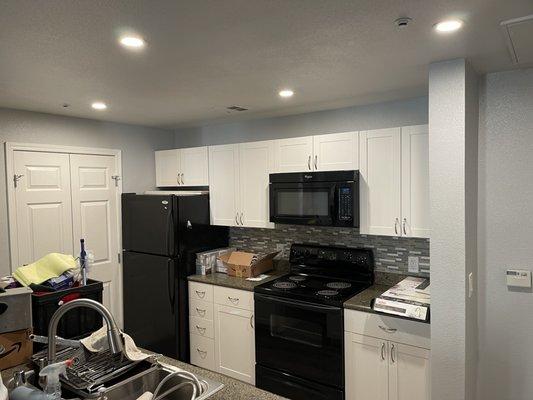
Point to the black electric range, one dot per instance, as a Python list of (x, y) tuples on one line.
[(299, 331)]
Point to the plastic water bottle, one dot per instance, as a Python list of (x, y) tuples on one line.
[(83, 263)]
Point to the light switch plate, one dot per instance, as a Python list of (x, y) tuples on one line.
[(518, 278), (412, 263)]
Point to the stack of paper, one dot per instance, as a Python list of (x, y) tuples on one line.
[(410, 298)]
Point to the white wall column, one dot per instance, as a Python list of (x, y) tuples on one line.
[(453, 126)]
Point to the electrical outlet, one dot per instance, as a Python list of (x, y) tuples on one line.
[(412, 263)]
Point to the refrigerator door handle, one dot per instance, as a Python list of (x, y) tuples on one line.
[(171, 284), (170, 233)]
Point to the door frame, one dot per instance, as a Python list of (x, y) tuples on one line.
[(11, 147)]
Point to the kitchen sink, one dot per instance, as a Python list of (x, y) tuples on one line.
[(133, 385)]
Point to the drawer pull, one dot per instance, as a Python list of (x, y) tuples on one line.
[(202, 353), (388, 330), (200, 312), (200, 293), (200, 329), (234, 300)]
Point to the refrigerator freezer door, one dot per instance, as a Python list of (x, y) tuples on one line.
[(148, 224), (150, 290)]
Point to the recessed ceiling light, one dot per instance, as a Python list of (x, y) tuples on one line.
[(98, 105), (132, 42), (449, 25), (286, 93)]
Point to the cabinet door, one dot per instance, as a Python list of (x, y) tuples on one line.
[(194, 166), (380, 182), (336, 152), (415, 181), (409, 373), (366, 368), (235, 343), (294, 155), (167, 168), (224, 184), (256, 162)]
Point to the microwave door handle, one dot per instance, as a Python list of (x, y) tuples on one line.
[(298, 304)]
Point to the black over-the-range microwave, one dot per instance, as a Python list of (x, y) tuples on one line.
[(329, 198)]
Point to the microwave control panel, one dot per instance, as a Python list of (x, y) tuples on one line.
[(345, 204)]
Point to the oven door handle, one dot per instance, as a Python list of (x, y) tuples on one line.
[(298, 304)]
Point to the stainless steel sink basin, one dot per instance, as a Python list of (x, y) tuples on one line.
[(132, 387)]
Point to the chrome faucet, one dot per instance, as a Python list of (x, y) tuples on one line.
[(113, 332)]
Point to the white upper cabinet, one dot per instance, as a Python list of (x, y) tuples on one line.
[(394, 166), (380, 181), (336, 152), (224, 184), (194, 166), (256, 162), (415, 181), (294, 154), (182, 167), (167, 166)]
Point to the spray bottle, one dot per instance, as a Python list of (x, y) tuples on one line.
[(52, 373)]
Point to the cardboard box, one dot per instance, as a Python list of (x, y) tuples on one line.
[(247, 265), (15, 348)]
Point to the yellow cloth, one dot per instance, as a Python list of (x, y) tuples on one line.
[(50, 266)]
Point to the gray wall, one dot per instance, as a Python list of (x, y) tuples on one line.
[(374, 116), (505, 235), (137, 145)]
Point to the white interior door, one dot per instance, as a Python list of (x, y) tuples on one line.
[(224, 184), (295, 154), (380, 182), (194, 166), (95, 219), (366, 368), (42, 206), (336, 152), (167, 168), (415, 181), (409, 373), (256, 162)]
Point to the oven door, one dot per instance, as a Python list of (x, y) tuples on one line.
[(301, 339), (311, 203)]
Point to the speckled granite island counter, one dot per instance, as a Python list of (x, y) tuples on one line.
[(219, 279)]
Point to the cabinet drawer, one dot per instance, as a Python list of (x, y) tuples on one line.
[(389, 328), (202, 352), (201, 309), (234, 298), (201, 291), (202, 327)]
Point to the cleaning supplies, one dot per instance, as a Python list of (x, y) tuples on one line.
[(3, 390), (50, 266), (26, 393), (52, 373)]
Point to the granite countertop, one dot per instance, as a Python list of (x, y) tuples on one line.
[(219, 279), (361, 301)]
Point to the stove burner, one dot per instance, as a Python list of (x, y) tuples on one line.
[(327, 293), (297, 278), (284, 285), (338, 285)]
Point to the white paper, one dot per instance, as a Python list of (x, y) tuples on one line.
[(258, 278)]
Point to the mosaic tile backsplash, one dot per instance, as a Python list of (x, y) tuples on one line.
[(390, 253)]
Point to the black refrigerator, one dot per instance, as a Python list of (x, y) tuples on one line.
[(161, 235)]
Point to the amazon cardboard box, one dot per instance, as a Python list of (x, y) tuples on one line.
[(15, 348), (247, 265)]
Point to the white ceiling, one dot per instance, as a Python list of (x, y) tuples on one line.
[(205, 55)]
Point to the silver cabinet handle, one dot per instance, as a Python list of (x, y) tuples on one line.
[(252, 321), (241, 220), (309, 163), (404, 223), (200, 329), (178, 178), (200, 294), (383, 351), (316, 162), (202, 353), (234, 300), (386, 329), (392, 354), (200, 312), (396, 223), (181, 178)]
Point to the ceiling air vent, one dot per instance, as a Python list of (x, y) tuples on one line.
[(519, 36), (236, 108)]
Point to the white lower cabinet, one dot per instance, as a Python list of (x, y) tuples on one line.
[(221, 326), (383, 360)]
